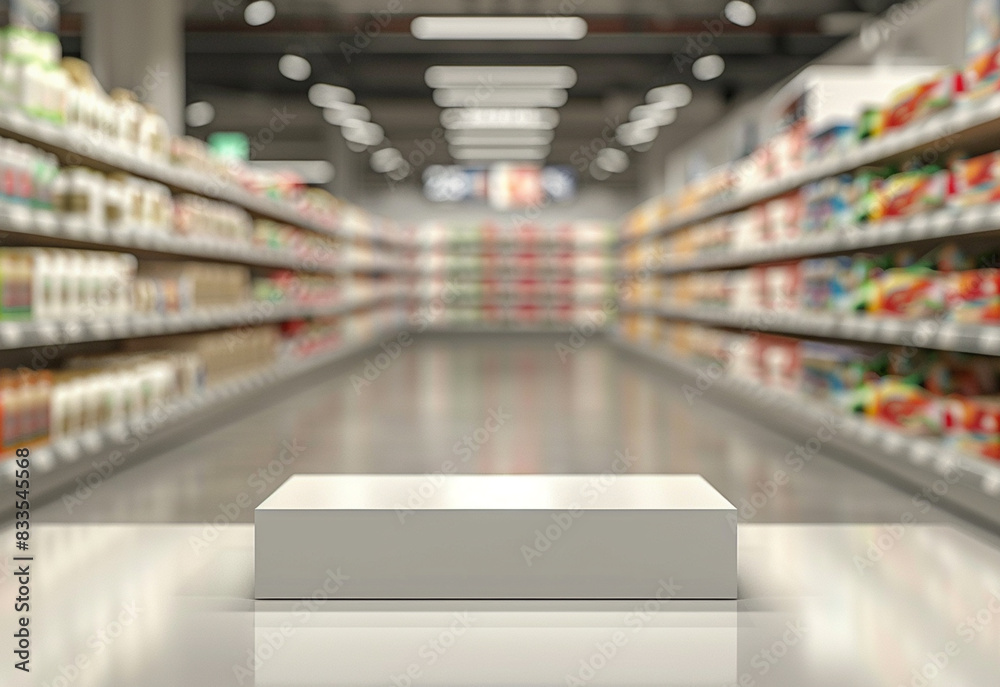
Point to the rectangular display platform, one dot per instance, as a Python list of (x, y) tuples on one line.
[(495, 537)]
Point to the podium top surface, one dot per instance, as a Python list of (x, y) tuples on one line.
[(495, 492)]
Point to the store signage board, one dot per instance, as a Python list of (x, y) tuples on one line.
[(495, 537)]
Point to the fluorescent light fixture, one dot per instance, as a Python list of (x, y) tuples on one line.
[(328, 95), (311, 171), (525, 153), (499, 97), (672, 95), (740, 12), (659, 115), (294, 67), (505, 28), (612, 160), (499, 118), (258, 13), (708, 67), (198, 114), (638, 132), (338, 113), (386, 160), (499, 137), (362, 132), (539, 77)]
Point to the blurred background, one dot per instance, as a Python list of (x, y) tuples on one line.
[(751, 239)]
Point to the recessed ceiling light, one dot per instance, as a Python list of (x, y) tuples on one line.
[(552, 28), (499, 118), (294, 67), (519, 153), (541, 77), (740, 12), (499, 97), (612, 160), (634, 133), (198, 114), (599, 172), (386, 160), (400, 172), (362, 132), (328, 95), (672, 95), (659, 115), (356, 147), (338, 113), (258, 13), (708, 67)]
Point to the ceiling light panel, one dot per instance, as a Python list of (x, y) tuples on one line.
[(539, 77), (506, 28), (500, 97), (499, 118), (519, 153)]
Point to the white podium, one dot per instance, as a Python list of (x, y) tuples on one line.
[(495, 537)]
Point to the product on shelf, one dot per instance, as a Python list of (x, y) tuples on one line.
[(288, 287), (24, 408), (117, 202), (201, 217), (53, 284), (167, 287), (27, 176)]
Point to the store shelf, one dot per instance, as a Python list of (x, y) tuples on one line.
[(34, 225), (944, 224), (90, 150), (922, 457), (53, 464), (926, 333), (501, 328), (959, 127), (15, 335)]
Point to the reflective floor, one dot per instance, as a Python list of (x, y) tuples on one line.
[(126, 605), (432, 409), (156, 588)]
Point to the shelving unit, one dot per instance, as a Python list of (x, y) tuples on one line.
[(967, 125), (103, 155), (919, 461), (56, 464), (15, 335), (947, 223), (47, 227), (928, 333)]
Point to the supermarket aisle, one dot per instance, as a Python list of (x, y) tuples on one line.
[(475, 404)]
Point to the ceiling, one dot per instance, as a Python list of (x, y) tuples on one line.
[(631, 46)]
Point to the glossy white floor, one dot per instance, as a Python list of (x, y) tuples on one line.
[(134, 597)]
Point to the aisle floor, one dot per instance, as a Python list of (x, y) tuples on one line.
[(153, 585), (431, 410)]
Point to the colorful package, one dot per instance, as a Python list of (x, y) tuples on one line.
[(972, 425), (977, 180), (921, 100), (902, 404), (906, 292), (973, 296), (982, 74), (905, 194)]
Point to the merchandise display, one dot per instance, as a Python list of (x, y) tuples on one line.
[(844, 268), (689, 312), (526, 276), (301, 275)]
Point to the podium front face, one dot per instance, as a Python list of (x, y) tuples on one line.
[(495, 537)]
